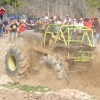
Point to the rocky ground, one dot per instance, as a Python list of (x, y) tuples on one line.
[(88, 83), (16, 94)]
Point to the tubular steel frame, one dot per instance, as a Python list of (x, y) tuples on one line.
[(62, 30)]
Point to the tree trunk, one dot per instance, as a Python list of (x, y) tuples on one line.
[(15, 9), (48, 8), (56, 6)]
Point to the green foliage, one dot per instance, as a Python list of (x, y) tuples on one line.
[(93, 3), (10, 2), (4, 2), (27, 88)]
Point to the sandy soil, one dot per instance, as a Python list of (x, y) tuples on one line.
[(88, 82)]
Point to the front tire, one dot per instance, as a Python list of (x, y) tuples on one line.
[(17, 61)]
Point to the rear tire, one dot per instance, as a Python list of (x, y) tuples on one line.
[(57, 64), (17, 61)]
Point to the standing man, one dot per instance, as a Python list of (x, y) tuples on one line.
[(5, 24), (88, 24), (2, 12), (1, 28), (67, 20), (14, 29), (29, 17), (22, 27), (96, 25)]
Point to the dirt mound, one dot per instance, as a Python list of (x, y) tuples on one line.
[(8, 93), (66, 94), (4, 79)]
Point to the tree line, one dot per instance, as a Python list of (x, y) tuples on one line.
[(75, 8)]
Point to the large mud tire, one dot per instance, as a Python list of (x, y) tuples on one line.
[(57, 64), (17, 62)]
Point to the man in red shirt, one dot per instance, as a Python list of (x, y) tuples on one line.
[(22, 27), (2, 11), (88, 24)]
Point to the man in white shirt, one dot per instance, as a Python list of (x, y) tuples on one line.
[(67, 20), (46, 18), (81, 22), (57, 21), (74, 22)]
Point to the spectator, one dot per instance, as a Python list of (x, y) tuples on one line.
[(77, 23), (30, 17), (75, 32), (1, 28), (67, 20), (46, 18), (50, 21), (8, 31), (2, 11), (14, 29), (22, 27), (88, 24), (57, 27), (31, 25), (5, 24), (57, 21), (54, 17), (74, 22), (96, 25), (42, 18), (81, 22), (8, 28)]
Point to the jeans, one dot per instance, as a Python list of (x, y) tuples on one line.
[(13, 36), (1, 32), (86, 40), (4, 29), (74, 35), (97, 38), (1, 17)]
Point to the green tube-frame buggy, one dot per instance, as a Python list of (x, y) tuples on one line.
[(78, 49)]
